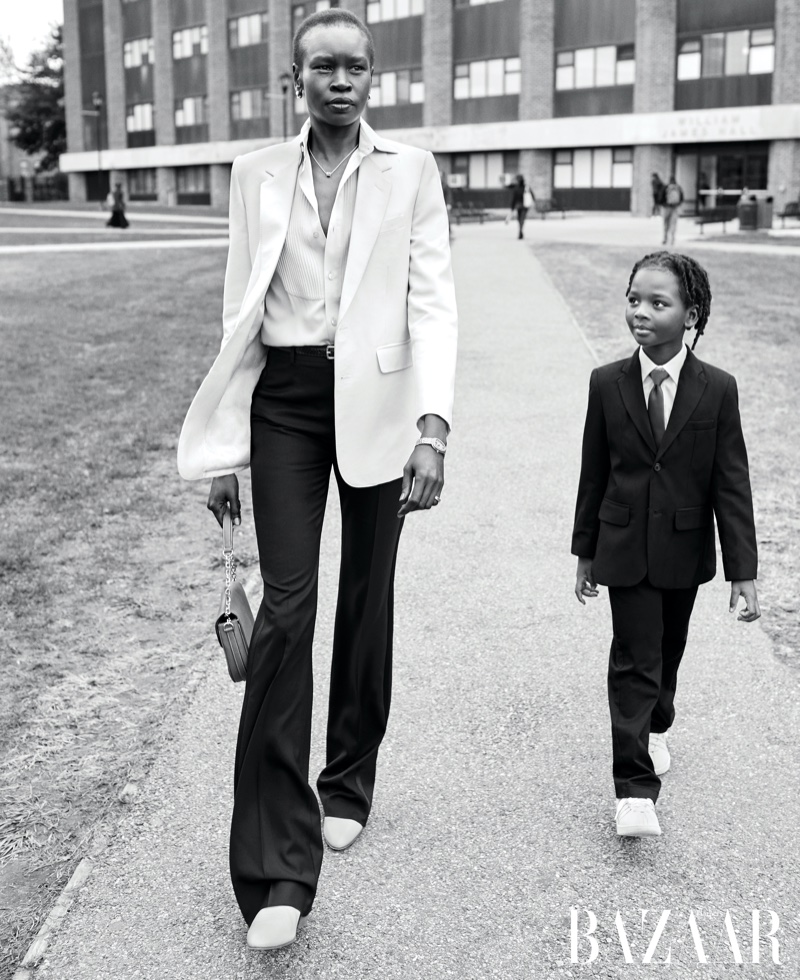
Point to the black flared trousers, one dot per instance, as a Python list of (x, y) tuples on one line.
[(651, 627), (276, 840)]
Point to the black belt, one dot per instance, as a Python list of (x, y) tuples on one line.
[(325, 350)]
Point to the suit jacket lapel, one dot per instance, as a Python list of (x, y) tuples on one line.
[(372, 199), (691, 386), (630, 388)]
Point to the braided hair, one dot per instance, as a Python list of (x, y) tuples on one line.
[(692, 281)]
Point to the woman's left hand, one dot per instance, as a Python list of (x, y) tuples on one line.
[(423, 479)]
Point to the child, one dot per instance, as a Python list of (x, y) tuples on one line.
[(662, 449)]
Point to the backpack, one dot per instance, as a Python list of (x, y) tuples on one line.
[(673, 196)]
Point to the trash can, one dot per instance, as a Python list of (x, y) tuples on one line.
[(747, 211), (764, 218)]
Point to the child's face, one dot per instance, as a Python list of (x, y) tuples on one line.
[(656, 314)]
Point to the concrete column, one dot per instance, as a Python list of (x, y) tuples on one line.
[(217, 72), (784, 172), (115, 75), (220, 185), (536, 166), (280, 60), (72, 84), (357, 7), (786, 80), (536, 51), (77, 187), (646, 161), (165, 185), (163, 88), (437, 62)]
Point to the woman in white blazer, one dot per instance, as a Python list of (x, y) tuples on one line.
[(338, 352)]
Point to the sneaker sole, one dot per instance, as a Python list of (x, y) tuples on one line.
[(639, 832)]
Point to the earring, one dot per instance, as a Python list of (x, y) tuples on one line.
[(298, 92)]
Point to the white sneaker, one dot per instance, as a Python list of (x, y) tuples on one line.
[(340, 832), (274, 928), (659, 752), (636, 817)]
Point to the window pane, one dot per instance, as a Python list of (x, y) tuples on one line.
[(762, 60), (461, 88), (605, 66), (565, 58), (389, 88), (387, 9), (417, 92), (477, 169), (477, 79), (417, 7), (582, 168), (584, 68), (513, 79), (736, 50), (601, 173), (562, 175), (494, 169), (622, 175), (403, 8), (623, 154), (565, 77), (713, 54), (403, 87), (563, 156), (374, 12), (689, 65), (495, 74), (626, 72), (375, 92), (766, 35), (513, 64)]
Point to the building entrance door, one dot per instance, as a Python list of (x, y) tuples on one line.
[(716, 174)]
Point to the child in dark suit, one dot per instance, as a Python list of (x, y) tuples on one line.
[(662, 450)]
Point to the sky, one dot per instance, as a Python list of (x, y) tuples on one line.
[(26, 23)]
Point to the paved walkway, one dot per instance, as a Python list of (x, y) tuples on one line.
[(493, 812)]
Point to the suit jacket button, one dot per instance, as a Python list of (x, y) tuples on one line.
[(657, 467)]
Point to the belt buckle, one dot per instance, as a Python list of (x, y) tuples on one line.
[(329, 352)]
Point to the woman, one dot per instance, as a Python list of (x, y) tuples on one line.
[(117, 219), (521, 200), (339, 347)]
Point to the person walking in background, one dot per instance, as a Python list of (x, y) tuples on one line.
[(663, 451), (522, 200), (338, 354), (117, 219), (672, 200), (657, 185)]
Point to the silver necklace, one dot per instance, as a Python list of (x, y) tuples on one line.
[(330, 173)]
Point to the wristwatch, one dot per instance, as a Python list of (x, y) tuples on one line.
[(436, 444)]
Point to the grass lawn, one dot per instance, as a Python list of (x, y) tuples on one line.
[(754, 333), (109, 563)]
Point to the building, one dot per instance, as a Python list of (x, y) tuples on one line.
[(585, 97)]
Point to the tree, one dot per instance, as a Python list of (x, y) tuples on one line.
[(36, 118)]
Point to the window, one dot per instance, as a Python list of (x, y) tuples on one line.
[(138, 52), (302, 10), (192, 180), (479, 79), (191, 111), (139, 117), (471, 3), (595, 67), (250, 104), (381, 10), (730, 53), (189, 42), (244, 31), (598, 167), (142, 183), (404, 87)]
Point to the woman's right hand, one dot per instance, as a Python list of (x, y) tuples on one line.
[(225, 493)]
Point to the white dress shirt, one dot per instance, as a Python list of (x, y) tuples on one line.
[(669, 386), (301, 307)]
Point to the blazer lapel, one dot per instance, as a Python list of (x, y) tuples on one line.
[(691, 385), (630, 388), (372, 199)]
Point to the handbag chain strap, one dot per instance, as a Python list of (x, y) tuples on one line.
[(230, 562)]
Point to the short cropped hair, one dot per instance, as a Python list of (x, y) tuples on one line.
[(331, 18)]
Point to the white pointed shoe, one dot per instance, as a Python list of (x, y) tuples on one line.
[(274, 927), (636, 817), (340, 832), (659, 752)]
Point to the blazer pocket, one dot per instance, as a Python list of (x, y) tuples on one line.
[(394, 357), (613, 513), (692, 518), (701, 424)]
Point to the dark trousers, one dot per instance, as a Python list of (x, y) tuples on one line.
[(650, 630), (276, 841)]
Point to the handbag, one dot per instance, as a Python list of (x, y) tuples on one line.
[(527, 198), (234, 625)]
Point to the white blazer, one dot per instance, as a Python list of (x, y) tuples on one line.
[(396, 337)]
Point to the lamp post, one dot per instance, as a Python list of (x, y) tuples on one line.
[(97, 105), (286, 81)]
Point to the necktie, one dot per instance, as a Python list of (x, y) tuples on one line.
[(655, 404)]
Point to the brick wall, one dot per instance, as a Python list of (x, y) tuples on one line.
[(437, 62), (656, 27), (164, 110), (217, 72), (786, 80), (784, 171), (648, 160), (115, 75), (536, 166), (280, 60), (536, 50)]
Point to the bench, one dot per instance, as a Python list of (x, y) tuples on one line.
[(791, 210), (544, 205), (714, 216), (468, 211)]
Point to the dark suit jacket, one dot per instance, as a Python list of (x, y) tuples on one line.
[(647, 512)]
